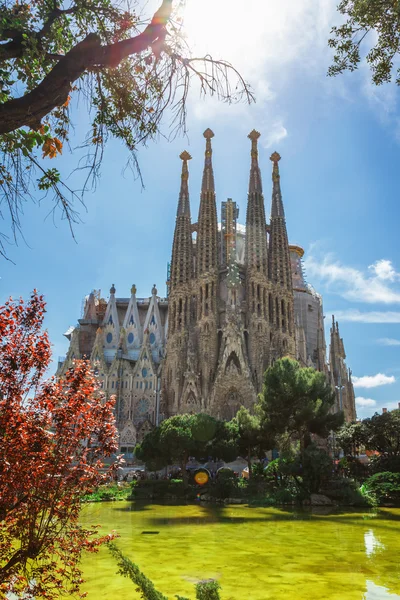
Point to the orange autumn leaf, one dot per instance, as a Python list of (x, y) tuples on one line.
[(52, 147)]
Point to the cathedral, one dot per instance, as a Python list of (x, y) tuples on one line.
[(237, 300)]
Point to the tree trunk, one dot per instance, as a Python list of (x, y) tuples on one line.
[(53, 90), (183, 469), (249, 461)]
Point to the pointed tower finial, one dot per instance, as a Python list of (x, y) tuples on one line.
[(277, 204), (254, 136), (185, 157), (183, 204), (255, 184), (208, 175)]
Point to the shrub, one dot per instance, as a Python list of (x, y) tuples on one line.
[(207, 590), (384, 486), (109, 492), (160, 489), (347, 492), (378, 464)]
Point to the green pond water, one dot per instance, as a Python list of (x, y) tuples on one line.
[(255, 553)]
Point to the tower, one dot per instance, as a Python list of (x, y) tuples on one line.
[(237, 301), (340, 375), (207, 276), (229, 216), (279, 272), (258, 288), (180, 305)]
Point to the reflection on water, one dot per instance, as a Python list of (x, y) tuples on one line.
[(376, 592), (255, 553), (371, 543)]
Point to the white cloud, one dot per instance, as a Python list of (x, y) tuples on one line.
[(267, 54), (372, 381), (365, 402), (354, 284), (356, 316), (276, 133), (389, 342), (383, 269), (272, 49)]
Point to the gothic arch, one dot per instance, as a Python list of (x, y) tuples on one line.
[(233, 364), (144, 430), (230, 406)]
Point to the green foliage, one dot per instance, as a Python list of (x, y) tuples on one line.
[(347, 492), (128, 70), (314, 466), (109, 492), (127, 568), (380, 433), (384, 486), (380, 19), (296, 402), (205, 590), (184, 436), (163, 489), (226, 485), (350, 437), (251, 438), (384, 463)]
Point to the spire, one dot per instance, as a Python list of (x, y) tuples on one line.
[(256, 236), (207, 227), (279, 267), (255, 184), (277, 204), (183, 204), (182, 259), (207, 184)]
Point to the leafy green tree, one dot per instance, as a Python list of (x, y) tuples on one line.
[(224, 444), (306, 470), (384, 486), (350, 437), (128, 69), (382, 433), (251, 440), (297, 402), (377, 20), (184, 436)]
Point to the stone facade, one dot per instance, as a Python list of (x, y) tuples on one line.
[(237, 301)]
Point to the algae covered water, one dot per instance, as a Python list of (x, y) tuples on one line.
[(254, 553)]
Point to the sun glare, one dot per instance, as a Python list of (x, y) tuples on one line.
[(213, 26), (240, 32)]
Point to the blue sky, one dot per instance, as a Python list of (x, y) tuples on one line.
[(340, 145)]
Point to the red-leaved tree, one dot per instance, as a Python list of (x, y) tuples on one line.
[(53, 436)]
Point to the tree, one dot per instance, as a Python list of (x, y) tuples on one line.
[(380, 19), (251, 437), (182, 436), (350, 437), (381, 432), (297, 402), (54, 435), (129, 74)]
